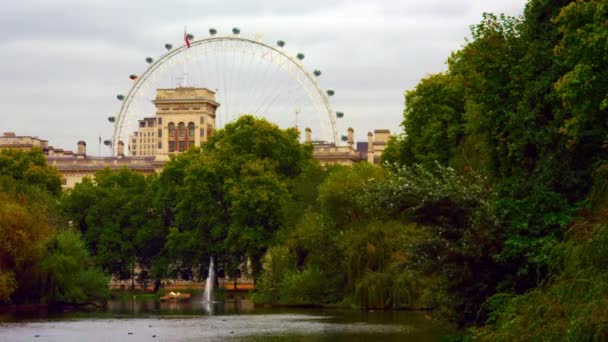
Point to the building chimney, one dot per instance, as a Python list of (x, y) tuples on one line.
[(307, 135), (370, 147), (82, 148), (351, 137), (120, 150)]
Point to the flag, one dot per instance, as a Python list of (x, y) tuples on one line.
[(186, 39)]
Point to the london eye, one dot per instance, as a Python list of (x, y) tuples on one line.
[(248, 75)]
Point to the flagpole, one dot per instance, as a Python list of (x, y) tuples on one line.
[(186, 57)]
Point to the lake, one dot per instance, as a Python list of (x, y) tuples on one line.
[(150, 320)]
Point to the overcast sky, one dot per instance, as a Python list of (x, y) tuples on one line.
[(63, 61)]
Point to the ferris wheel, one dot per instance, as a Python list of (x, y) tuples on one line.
[(248, 75)]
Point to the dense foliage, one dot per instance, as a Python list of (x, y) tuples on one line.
[(41, 259), (225, 199), (118, 222), (490, 207), (523, 103)]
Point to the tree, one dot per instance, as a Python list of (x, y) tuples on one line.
[(23, 236), (233, 193), (40, 262), (583, 87), (23, 170), (117, 220), (68, 273), (433, 120)]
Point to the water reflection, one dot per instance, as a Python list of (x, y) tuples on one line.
[(142, 320), (195, 306)]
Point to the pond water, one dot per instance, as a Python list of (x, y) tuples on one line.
[(150, 320)]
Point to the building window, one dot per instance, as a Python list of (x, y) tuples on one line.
[(171, 146), (181, 130), (209, 130), (190, 143), (202, 120), (191, 130), (182, 146), (160, 145), (202, 132), (160, 132), (64, 181), (160, 121), (171, 130)]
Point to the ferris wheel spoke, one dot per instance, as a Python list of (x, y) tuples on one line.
[(231, 84), (248, 82), (276, 94), (261, 85), (256, 74), (271, 98), (292, 100), (267, 96), (248, 76)]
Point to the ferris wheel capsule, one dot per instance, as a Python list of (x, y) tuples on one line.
[(133, 77), (190, 36), (344, 138), (168, 46), (280, 43), (212, 31), (107, 142), (300, 56), (111, 118), (149, 60), (236, 30), (340, 115), (330, 92), (317, 73), (120, 97)]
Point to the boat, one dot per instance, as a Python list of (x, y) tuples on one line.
[(175, 296)]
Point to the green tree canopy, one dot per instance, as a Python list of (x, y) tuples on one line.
[(115, 213), (230, 195)]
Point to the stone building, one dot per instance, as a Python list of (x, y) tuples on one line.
[(185, 117), (11, 140), (143, 141)]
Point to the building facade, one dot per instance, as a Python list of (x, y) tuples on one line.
[(12, 141), (143, 141), (185, 117)]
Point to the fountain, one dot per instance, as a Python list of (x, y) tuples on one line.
[(208, 294)]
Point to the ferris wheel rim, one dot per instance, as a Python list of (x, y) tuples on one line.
[(126, 102)]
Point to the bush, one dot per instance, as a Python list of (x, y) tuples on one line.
[(306, 287), (572, 306), (68, 272)]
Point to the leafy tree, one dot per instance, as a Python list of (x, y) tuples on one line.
[(38, 261), (342, 195), (20, 170), (433, 120), (117, 220), (23, 233), (233, 193), (68, 273), (457, 238), (583, 87)]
